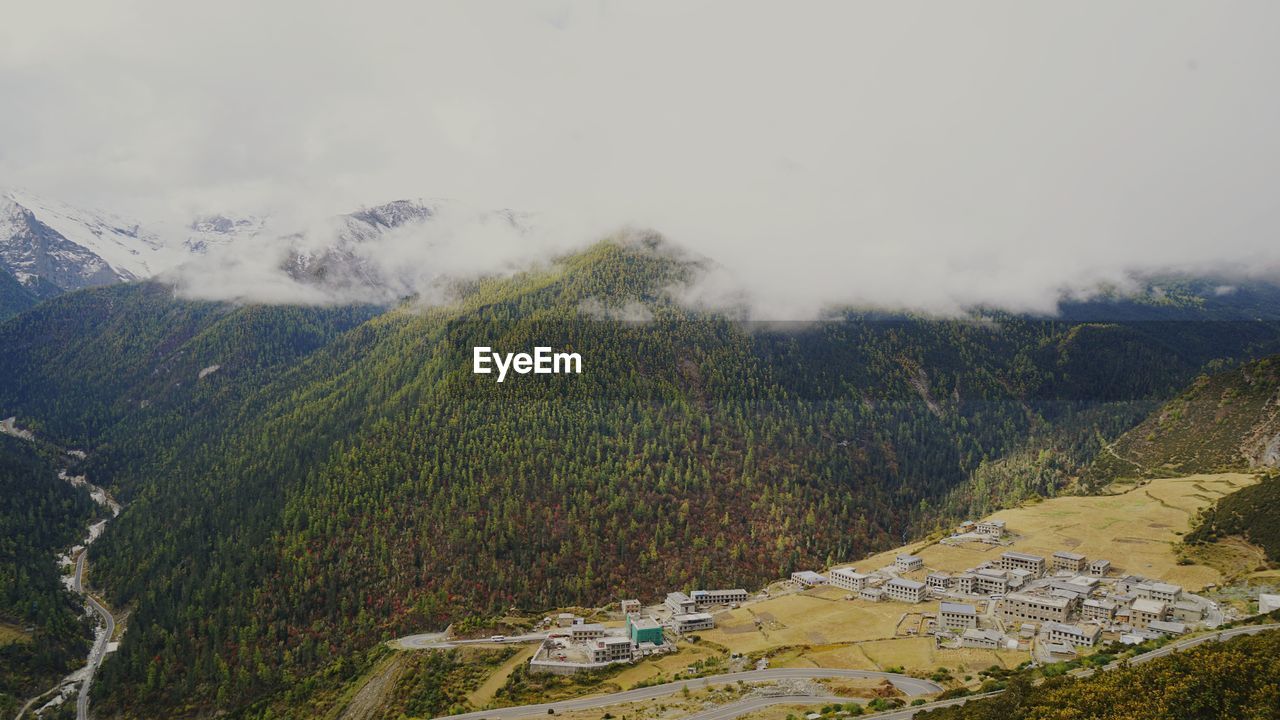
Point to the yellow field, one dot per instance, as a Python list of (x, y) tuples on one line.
[(1136, 530), (484, 694), (814, 617)]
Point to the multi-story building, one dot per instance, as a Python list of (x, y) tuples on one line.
[(1073, 562), (1033, 564), (565, 620), (965, 582), (680, 604), (630, 606), (991, 581), (994, 528), (1093, 609), (808, 578), (904, 590), (710, 598), (908, 563), (645, 630), (1018, 607), (1143, 612), (692, 623), (938, 580), (957, 616), (586, 631), (847, 578), (1160, 592), (1186, 612), (1074, 635), (610, 650), (1099, 568)]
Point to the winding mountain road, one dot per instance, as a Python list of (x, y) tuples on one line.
[(99, 650), (907, 684)]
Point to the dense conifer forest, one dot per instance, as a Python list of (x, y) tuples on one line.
[(303, 483)]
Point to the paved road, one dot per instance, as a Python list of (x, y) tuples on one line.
[(100, 644), (907, 684)]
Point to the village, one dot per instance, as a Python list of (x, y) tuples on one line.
[(1048, 607)]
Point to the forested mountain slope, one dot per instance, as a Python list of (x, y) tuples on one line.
[(1234, 679), (1226, 421), (342, 477), (14, 298), (40, 516)]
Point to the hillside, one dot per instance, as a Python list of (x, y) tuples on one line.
[(1252, 513), (1233, 679), (40, 517), (14, 298), (303, 483), (1222, 422)]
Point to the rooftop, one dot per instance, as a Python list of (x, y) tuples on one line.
[(957, 608), (1013, 555), (1068, 555), (1154, 607), (1058, 602), (905, 583)]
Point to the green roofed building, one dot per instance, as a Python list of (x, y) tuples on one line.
[(644, 630)]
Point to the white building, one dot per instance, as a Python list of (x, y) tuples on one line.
[(1093, 609), (991, 581), (1074, 635), (692, 622), (1143, 612), (965, 582), (1160, 592), (994, 528), (904, 590), (630, 607), (957, 616), (611, 650), (1186, 612), (908, 563), (680, 604), (939, 580), (808, 578), (848, 578), (1038, 608), (586, 631), (709, 598), (1033, 564), (872, 594), (1064, 560), (1100, 568)]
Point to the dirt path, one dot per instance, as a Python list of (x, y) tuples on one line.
[(484, 694)]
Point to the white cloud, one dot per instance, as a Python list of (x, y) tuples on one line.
[(898, 153)]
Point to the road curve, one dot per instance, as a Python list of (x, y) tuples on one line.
[(99, 645), (909, 685)]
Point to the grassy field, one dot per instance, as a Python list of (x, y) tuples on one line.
[(10, 634), (1137, 530)]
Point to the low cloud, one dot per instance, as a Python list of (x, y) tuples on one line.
[(891, 155)]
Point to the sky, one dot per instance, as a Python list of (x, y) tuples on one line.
[(908, 154)]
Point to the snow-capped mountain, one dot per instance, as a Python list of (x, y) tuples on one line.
[(211, 231), (48, 243)]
